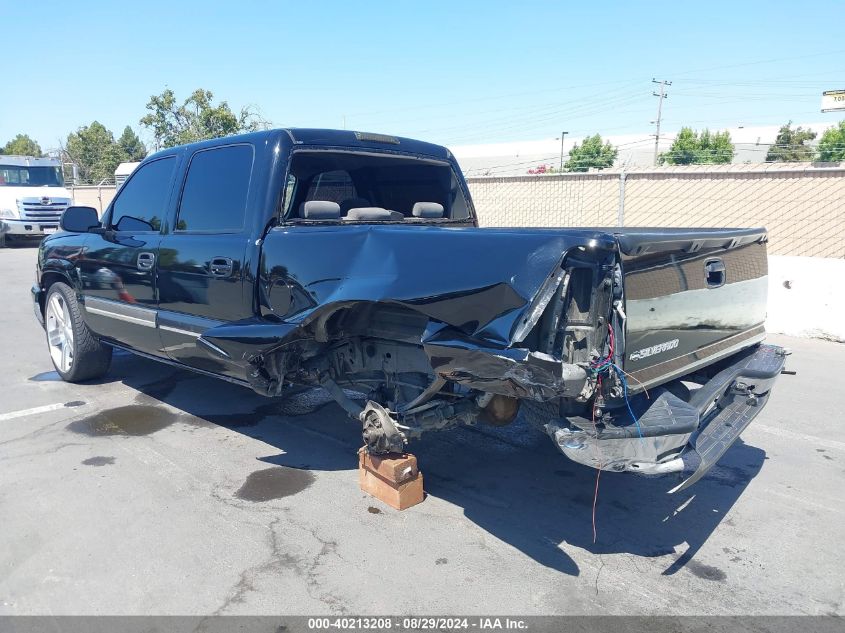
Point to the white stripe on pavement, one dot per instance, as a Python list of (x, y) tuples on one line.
[(25, 412), (791, 435)]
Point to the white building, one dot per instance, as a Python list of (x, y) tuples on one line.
[(123, 172)]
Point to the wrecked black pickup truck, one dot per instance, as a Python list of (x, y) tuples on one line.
[(354, 262)]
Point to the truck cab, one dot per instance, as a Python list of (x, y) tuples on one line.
[(32, 197)]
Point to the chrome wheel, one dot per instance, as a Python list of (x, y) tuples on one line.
[(59, 332)]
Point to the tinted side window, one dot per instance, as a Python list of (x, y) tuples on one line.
[(215, 193), (141, 203)]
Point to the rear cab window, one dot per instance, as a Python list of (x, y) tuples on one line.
[(371, 187)]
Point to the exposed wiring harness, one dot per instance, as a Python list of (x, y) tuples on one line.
[(600, 464), (601, 363), (604, 366)]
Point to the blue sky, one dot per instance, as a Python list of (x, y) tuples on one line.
[(449, 72)]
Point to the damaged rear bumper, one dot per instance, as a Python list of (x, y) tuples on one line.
[(674, 435)]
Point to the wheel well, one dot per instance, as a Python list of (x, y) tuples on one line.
[(47, 280)]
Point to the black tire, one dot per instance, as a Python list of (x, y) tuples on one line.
[(89, 358), (2, 240), (538, 414)]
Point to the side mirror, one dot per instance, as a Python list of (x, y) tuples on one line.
[(79, 219)]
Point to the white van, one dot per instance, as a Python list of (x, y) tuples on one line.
[(32, 196)]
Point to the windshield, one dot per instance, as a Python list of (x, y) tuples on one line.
[(19, 176)]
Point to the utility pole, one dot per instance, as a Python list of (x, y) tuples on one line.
[(661, 96), (562, 135)]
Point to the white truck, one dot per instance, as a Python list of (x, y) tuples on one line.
[(32, 197)]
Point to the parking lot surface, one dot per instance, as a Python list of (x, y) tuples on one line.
[(158, 491)]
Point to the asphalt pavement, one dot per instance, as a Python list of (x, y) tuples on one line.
[(158, 491)]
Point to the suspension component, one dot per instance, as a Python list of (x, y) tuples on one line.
[(380, 432)]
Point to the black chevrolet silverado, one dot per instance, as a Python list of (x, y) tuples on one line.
[(354, 262)]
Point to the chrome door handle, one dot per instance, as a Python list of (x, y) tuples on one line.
[(146, 261), (220, 267)]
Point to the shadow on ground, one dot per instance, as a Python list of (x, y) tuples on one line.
[(511, 482)]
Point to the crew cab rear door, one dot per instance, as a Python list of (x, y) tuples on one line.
[(201, 256)]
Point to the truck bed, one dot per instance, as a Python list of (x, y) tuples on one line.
[(480, 284)]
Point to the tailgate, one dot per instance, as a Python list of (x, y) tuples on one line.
[(692, 296)]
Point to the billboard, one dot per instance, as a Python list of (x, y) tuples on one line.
[(833, 100)]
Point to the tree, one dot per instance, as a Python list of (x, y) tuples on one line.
[(94, 151), (692, 148), (591, 153), (22, 145), (832, 146), (133, 148), (790, 145), (196, 119)]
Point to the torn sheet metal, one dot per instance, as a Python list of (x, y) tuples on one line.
[(479, 282), (515, 372)]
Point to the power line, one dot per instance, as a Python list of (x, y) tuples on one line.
[(535, 122), (763, 61), (566, 108), (617, 82), (428, 106)]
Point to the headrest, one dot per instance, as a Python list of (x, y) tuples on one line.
[(353, 203), (319, 210), (369, 213), (427, 210)]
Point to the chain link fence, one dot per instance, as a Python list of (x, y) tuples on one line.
[(801, 204)]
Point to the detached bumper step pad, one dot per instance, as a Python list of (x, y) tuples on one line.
[(666, 415), (716, 439), (746, 397)]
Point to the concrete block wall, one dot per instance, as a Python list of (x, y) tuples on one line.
[(570, 200), (802, 205), (93, 196)]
